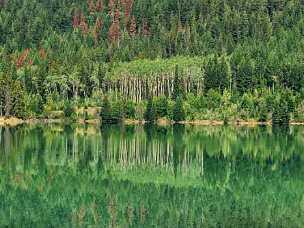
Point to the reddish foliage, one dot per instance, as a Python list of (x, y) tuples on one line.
[(145, 28), (116, 15), (83, 25), (22, 58), (132, 28), (30, 63), (111, 7), (114, 31), (76, 19), (97, 28), (128, 4), (84, 28), (99, 5), (91, 6), (42, 53), (98, 23)]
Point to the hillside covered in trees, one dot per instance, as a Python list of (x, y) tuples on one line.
[(193, 59)]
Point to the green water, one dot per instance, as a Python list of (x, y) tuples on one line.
[(135, 176)]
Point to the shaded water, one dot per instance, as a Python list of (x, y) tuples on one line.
[(135, 176)]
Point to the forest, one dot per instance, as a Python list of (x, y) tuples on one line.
[(149, 59)]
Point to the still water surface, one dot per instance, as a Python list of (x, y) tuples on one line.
[(136, 176)]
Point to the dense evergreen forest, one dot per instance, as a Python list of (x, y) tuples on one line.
[(180, 59)]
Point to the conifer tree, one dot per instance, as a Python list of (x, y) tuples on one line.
[(216, 73), (149, 115), (178, 111), (105, 113), (178, 87), (281, 109)]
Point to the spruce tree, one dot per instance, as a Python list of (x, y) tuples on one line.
[(216, 73), (178, 111), (150, 114), (281, 110), (178, 88), (105, 113)]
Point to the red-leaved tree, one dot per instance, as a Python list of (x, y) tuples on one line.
[(145, 28), (132, 28), (127, 4), (111, 7), (76, 19), (83, 25), (97, 29), (42, 54), (114, 31), (99, 6), (22, 58), (91, 6)]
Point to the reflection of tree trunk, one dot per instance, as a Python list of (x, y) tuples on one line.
[(8, 103), (202, 163), (7, 140), (178, 147)]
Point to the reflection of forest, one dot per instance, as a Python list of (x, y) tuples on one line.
[(186, 151), (135, 176)]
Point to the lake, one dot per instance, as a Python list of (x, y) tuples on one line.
[(151, 176)]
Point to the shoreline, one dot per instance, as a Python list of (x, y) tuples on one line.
[(13, 122)]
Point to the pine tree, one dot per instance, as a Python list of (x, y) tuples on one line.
[(216, 73), (105, 113), (149, 115), (281, 112), (178, 111), (12, 97), (178, 87)]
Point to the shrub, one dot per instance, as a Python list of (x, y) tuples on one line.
[(160, 107), (129, 109), (117, 111), (68, 110), (111, 112)]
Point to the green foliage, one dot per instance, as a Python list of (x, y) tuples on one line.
[(263, 111), (178, 88), (177, 49), (160, 105), (149, 115), (68, 110), (216, 73), (88, 172), (111, 112), (117, 111), (12, 97), (281, 109), (178, 111), (105, 112), (228, 109), (129, 109)]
